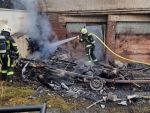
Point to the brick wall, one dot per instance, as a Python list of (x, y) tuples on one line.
[(110, 39), (58, 27), (114, 42), (76, 49)]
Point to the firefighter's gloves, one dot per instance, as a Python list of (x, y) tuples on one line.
[(78, 36)]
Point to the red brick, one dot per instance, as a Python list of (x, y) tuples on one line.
[(58, 27), (110, 39)]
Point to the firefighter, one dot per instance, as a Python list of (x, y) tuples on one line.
[(89, 44), (9, 56)]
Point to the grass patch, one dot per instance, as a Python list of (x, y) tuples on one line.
[(19, 96), (62, 103), (12, 96)]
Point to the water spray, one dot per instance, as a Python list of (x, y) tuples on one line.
[(62, 41)]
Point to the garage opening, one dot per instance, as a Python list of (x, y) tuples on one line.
[(76, 49)]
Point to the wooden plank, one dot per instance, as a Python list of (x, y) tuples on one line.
[(22, 46), (133, 47)]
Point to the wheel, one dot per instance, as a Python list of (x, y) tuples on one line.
[(96, 83)]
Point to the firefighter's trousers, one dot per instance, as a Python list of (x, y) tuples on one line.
[(7, 67), (90, 54)]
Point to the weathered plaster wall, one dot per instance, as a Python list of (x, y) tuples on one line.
[(72, 5), (14, 19)]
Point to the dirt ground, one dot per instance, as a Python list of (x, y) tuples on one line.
[(24, 94), (18, 95)]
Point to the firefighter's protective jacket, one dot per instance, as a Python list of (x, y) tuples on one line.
[(88, 39), (11, 44)]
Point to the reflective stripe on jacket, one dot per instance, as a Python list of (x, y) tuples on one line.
[(11, 44)]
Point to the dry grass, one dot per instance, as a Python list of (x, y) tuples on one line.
[(19, 96), (14, 96), (62, 103)]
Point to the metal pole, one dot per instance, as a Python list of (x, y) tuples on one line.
[(41, 108)]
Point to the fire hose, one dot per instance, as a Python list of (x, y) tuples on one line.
[(117, 54)]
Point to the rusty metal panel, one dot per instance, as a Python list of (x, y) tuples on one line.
[(133, 28), (77, 50), (99, 48), (135, 47), (74, 27)]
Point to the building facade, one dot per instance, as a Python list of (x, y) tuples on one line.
[(124, 26)]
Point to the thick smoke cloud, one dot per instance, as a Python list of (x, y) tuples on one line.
[(38, 27)]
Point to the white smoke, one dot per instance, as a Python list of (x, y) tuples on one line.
[(37, 26)]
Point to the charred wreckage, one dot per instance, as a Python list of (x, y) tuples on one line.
[(107, 81)]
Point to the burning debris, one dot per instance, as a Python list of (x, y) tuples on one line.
[(100, 83), (33, 45)]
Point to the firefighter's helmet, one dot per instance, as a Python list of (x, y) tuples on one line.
[(83, 30), (6, 28)]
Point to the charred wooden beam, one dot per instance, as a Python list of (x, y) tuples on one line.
[(122, 75), (61, 73)]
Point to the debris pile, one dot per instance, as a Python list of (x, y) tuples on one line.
[(100, 83)]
